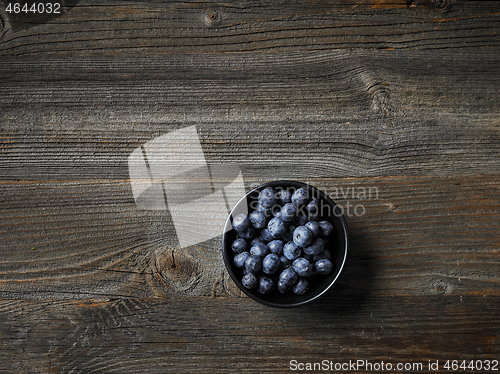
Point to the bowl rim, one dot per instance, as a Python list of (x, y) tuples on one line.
[(228, 228)]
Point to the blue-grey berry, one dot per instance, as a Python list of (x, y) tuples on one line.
[(289, 277), (267, 210), (258, 219), (326, 228), (277, 227), (299, 197), (271, 263), (291, 251), (250, 281), (239, 245), (324, 266), (253, 263), (267, 197), (266, 235), (240, 258), (288, 212), (284, 196), (312, 209), (247, 234), (241, 223), (276, 247), (301, 287), (302, 267), (266, 285), (302, 236)]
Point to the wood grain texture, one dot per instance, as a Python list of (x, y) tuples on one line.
[(396, 99), (221, 335), (164, 27)]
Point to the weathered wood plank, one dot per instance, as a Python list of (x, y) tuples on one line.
[(410, 236), (164, 27), (222, 335)]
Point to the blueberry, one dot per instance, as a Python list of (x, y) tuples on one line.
[(326, 228), (312, 210), (302, 236), (284, 196), (271, 264), (258, 219), (253, 263), (285, 262), (247, 234), (240, 258), (277, 227), (291, 251), (276, 247), (289, 277), (324, 266), (325, 254), (239, 245), (288, 212), (302, 267), (314, 227), (301, 287), (299, 197), (266, 235), (266, 285), (259, 249), (316, 247), (250, 281), (241, 223), (267, 197)]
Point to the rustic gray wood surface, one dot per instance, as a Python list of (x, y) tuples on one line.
[(397, 97)]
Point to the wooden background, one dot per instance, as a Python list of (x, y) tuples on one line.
[(398, 95)]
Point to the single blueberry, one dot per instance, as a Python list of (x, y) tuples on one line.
[(247, 234), (259, 249), (316, 247), (276, 247), (266, 235), (301, 287), (250, 281), (271, 264), (325, 254), (253, 263), (240, 258), (284, 196), (266, 285), (288, 212), (302, 236), (239, 245), (267, 197), (299, 197), (283, 287), (302, 267), (277, 227), (258, 219), (289, 277), (324, 266), (312, 210), (326, 228), (314, 227), (241, 223), (255, 240), (291, 251)]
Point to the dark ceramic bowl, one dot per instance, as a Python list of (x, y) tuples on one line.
[(338, 246)]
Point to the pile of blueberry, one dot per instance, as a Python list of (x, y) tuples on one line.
[(282, 244)]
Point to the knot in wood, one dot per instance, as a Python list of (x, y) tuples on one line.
[(178, 270), (212, 17)]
